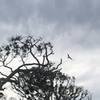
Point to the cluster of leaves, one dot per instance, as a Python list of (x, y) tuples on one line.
[(41, 84), (37, 78)]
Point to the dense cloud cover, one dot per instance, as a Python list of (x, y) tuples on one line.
[(73, 24)]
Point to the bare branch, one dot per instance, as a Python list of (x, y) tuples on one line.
[(59, 64), (46, 55), (3, 74), (8, 67), (23, 61), (34, 57), (43, 60), (10, 60)]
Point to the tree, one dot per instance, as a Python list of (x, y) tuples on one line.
[(33, 74)]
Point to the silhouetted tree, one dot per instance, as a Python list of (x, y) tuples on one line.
[(27, 66)]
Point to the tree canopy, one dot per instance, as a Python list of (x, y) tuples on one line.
[(25, 63)]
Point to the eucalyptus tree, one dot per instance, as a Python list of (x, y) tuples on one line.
[(25, 63)]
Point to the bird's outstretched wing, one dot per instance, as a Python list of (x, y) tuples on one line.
[(69, 57)]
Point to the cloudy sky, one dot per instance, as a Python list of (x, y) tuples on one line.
[(73, 26)]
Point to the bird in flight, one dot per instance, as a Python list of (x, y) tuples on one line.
[(69, 57)]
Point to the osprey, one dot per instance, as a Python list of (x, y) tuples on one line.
[(69, 57)]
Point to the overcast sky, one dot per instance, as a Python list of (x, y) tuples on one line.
[(73, 26)]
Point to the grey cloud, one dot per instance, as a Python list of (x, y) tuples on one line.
[(79, 11), (14, 11), (68, 17), (52, 11), (66, 14)]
